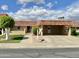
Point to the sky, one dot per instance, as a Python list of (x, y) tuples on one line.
[(40, 9)]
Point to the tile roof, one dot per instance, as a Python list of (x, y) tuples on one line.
[(43, 22), (24, 23), (55, 22)]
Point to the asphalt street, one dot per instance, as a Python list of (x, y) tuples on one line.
[(40, 53)]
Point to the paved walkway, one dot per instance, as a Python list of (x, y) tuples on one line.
[(30, 41)]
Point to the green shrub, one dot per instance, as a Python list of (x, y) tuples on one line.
[(35, 31), (73, 31)]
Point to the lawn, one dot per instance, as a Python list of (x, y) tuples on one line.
[(15, 37)]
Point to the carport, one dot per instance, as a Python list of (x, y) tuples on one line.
[(55, 27), (54, 30)]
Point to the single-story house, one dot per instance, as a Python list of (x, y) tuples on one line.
[(50, 27)]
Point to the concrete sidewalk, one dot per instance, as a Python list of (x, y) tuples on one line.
[(30, 41)]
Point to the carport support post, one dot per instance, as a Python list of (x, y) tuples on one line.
[(41, 30), (24, 30), (37, 33), (32, 30), (69, 33), (31, 40)]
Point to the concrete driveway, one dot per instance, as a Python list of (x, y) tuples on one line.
[(54, 41)]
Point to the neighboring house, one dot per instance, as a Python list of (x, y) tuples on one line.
[(76, 25), (3, 14), (24, 25)]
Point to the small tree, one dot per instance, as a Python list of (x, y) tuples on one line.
[(6, 22)]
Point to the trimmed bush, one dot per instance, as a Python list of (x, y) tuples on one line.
[(35, 31), (73, 31)]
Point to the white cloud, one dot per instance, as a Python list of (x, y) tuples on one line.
[(36, 13), (4, 7), (71, 12), (26, 1), (49, 5)]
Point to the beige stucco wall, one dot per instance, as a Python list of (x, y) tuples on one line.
[(22, 28)]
